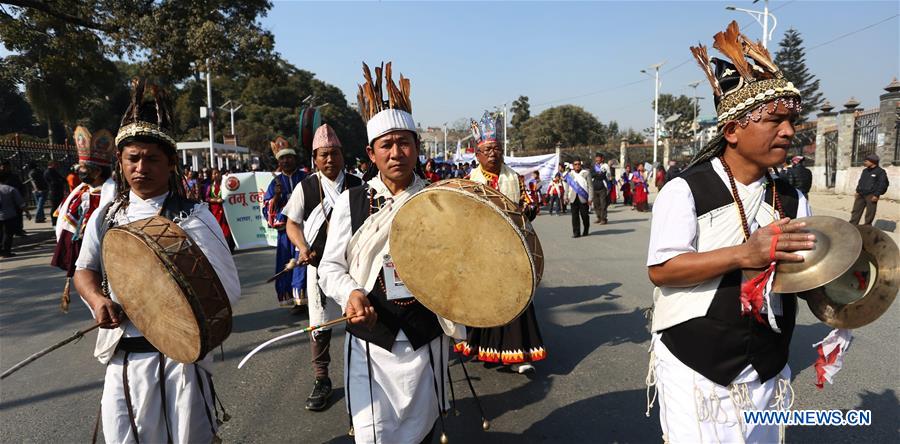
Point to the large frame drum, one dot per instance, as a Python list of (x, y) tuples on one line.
[(167, 287), (467, 253)]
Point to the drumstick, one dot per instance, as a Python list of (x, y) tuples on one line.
[(288, 335), (287, 267), (78, 335)]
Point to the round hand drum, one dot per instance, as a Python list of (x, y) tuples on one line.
[(467, 253), (167, 287)]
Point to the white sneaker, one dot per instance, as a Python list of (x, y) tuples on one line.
[(525, 368)]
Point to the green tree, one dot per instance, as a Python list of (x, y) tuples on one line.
[(16, 115), (568, 124), (669, 107), (791, 59), (521, 112)]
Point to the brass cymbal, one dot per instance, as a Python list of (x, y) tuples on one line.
[(867, 290), (838, 244)]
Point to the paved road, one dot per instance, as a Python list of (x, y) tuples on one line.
[(591, 389)]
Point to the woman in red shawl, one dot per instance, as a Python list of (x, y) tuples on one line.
[(213, 197), (639, 184)]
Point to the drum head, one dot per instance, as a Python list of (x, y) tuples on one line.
[(462, 258), (137, 274)]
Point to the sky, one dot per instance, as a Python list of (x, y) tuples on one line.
[(465, 57)]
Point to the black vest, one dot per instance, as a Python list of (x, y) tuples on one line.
[(418, 323), (312, 197), (722, 343)]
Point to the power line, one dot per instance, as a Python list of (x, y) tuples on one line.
[(625, 85), (851, 33)]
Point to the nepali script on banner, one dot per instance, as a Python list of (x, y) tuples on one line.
[(242, 194)]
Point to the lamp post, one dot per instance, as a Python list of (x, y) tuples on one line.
[(761, 17), (232, 109), (655, 68)]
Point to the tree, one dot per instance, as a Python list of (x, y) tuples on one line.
[(16, 115), (171, 39), (568, 124), (669, 107), (791, 59), (521, 111)]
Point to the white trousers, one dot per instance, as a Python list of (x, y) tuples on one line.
[(403, 404), (187, 404), (319, 313), (693, 409)]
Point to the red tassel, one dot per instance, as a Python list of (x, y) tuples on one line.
[(752, 299), (821, 363)]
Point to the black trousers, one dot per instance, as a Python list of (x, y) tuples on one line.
[(7, 229), (580, 210)]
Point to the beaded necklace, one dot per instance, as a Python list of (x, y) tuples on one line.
[(374, 207), (776, 201)]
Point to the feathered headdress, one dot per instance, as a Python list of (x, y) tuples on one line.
[(281, 147), (485, 130), (147, 118), (748, 79), (383, 116)]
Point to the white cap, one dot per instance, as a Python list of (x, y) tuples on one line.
[(387, 121)]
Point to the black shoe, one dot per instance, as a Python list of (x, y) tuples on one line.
[(576, 235), (318, 399), (585, 233)]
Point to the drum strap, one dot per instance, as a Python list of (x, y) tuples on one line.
[(371, 393), (162, 394), (347, 377), (438, 395), (128, 405), (203, 395)]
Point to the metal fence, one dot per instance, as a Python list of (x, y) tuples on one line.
[(865, 136), (804, 142), (20, 154)]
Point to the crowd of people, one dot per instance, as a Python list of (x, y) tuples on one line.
[(716, 343)]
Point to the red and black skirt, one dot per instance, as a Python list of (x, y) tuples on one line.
[(514, 343)]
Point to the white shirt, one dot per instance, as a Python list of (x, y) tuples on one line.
[(674, 223), (202, 228), (296, 204)]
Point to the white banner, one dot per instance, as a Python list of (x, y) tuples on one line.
[(243, 195), (547, 164)]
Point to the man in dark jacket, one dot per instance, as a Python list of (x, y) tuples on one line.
[(56, 185), (873, 182), (38, 189), (799, 176)]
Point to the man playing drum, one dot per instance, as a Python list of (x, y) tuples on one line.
[(148, 397), (308, 212), (720, 341), (518, 342), (396, 349)]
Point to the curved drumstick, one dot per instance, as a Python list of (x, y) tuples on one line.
[(288, 335)]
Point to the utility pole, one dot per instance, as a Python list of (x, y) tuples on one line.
[(505, 124), (210, 114), (655, 107), (761, 17), (445, 140)]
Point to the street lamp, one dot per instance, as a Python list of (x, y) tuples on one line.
[(232, 109), (655, 107), (761, 17), (445, 141)]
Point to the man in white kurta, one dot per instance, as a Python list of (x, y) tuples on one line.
[(308, 212), (395, 391), (148, 397), (189, 398)]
